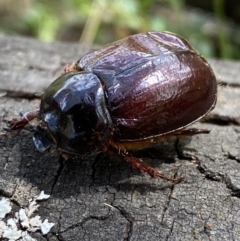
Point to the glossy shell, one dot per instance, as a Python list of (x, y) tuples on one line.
[(142, 87), (74, 110), (155, 84)]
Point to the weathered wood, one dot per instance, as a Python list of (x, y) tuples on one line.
[(102, 198)]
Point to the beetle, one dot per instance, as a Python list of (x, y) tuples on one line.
[(125, 96)]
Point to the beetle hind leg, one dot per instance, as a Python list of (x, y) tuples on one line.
[(191, 132), (140, 165)]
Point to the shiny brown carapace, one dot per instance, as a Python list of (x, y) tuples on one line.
[(126, 96)]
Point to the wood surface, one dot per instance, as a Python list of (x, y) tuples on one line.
[(102, 198)]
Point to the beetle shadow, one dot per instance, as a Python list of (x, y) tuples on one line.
[(65, 178)]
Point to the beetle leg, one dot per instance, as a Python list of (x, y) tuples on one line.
[(17, 124), (20, 94), (139, 164), (190, 132)]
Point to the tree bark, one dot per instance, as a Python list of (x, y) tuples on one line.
[(102, 198)]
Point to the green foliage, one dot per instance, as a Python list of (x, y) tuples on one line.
[(101, 21), (42, 21)]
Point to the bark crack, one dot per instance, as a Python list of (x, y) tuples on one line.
[(59, 171), (129, 219)]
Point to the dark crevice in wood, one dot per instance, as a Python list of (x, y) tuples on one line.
[(221, 121), (235, 193), (171, 230), (80, 224), (212, 176), (226, 84), (4, 194), (231, 157), (129, 219), (207, 174), (59, 171), (166, 206), (179, 153), (56, 237), (94, 167), (218, 177)]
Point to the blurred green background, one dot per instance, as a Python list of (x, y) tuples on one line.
[(211, 26)]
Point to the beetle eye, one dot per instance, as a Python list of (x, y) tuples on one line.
[(42, 139)]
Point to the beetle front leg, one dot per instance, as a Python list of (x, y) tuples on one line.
[(139, 164), (17, 124)]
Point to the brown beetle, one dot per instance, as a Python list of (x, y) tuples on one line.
[(125, 96)]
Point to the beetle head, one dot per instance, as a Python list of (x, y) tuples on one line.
[(74, 115)]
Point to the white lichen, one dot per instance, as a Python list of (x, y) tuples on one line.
[(42, 196), (32, 207), (12, 234), (35, 223), (23, 219), (5, 207), (46, 226)]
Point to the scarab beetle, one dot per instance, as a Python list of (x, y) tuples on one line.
[(125, 96)]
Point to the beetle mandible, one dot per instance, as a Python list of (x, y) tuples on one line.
[(123, 97)]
